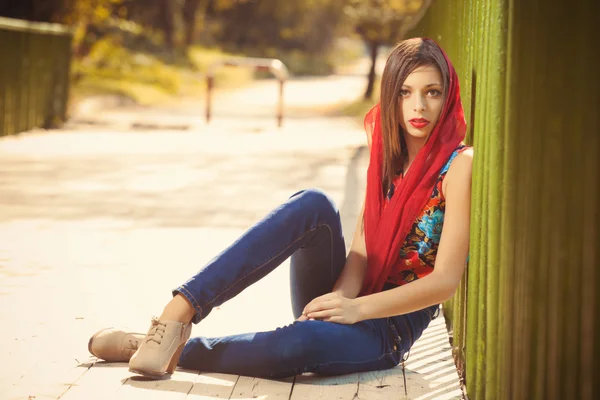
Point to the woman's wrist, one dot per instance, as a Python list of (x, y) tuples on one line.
[(348, 293), (358, 304)]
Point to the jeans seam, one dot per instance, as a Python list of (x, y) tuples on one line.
[(197, 306), (263, 264), (330, 250), (356, 362)]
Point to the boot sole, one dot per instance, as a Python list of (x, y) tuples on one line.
[(148, 375)]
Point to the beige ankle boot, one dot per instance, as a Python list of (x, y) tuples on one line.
[(160, 350), (114, 345)]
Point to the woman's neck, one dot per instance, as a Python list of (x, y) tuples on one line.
[(413, 145)]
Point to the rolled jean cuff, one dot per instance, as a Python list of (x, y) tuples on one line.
[(186, 293)]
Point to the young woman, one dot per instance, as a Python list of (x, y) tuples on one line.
[(358, 312)]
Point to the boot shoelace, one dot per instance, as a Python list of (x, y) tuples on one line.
[(133, 344), (157, 331)]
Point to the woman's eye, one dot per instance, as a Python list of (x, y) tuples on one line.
[(404, 93), (434, 93)]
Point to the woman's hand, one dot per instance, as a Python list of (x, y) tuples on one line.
[(332, 307)]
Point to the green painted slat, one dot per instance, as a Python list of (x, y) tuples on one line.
[(590, 165), (509, 221), (530, 92), (34, 74)]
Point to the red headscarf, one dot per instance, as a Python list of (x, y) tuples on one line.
[(386, 227)]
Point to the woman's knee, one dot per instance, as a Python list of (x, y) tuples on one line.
[(316, 200)]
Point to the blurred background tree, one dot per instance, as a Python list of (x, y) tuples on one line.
[(383, 22), (140, 39), (300, 33), (253, 27)]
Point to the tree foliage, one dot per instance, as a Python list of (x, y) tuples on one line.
[(304, 28), (385, 21), (308, 25), (381, 22)]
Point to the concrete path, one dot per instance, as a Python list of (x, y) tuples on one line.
[(98, 223)]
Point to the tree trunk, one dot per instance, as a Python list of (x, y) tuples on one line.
[(166, 20), (190, 10), (374, 50)]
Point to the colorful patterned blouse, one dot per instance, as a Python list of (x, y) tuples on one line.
[(417, 255)]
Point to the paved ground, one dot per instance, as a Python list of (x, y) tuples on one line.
[(98, 223)]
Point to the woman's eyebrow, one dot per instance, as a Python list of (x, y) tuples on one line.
[(429, 85)]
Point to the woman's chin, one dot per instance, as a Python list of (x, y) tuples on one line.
[(418, 133)]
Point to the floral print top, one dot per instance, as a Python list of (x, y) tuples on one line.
[(417, 255)]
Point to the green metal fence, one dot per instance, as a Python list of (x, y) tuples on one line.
[(526, 315), (34, 74)]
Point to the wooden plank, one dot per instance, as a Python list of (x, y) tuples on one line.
[(50, 379), (29, 392), (436, 328), (387, 384), (61, 371), (174, 387), (309, 387), (101, 381), (430, 370), (211, 386), (258, 388), (437, 365), (436, 340), (428, 355), (425, 350)]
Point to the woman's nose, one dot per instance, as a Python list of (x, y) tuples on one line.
[(420, 103)]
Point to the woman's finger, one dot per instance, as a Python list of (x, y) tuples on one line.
[(323, 314), (319, 306), (318, 300)]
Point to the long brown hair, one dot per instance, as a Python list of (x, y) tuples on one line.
[(404, 59)]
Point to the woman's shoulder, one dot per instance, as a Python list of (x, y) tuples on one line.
[(463, 161), (460, 170), (465, 153), (461, 149)]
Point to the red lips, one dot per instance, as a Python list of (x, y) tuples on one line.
[(419, 123)]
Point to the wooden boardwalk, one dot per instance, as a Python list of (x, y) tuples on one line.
[(82, 220), (429, 372)]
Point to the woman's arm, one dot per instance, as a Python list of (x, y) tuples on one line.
[(432, 289), (442, 282), (351, 279)]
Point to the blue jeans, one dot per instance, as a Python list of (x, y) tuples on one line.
[(308, 229)]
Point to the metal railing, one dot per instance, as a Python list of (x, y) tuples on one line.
[(34, 75), (274, 66)]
